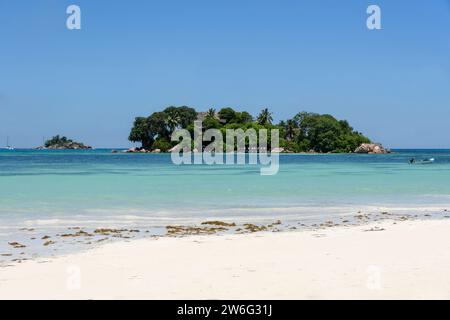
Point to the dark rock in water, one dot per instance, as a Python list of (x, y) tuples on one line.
[(141, 150)]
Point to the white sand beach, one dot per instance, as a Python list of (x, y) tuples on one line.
[(407, 260)]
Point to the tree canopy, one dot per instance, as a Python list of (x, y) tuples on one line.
[(305, 132), (62, 142)]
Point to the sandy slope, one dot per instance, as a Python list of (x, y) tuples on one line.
[(407, 260)]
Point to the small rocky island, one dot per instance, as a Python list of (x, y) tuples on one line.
[(62, 143)]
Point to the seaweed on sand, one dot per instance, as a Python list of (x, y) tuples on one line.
[(16, 245), (254, 228), (219, 223), (80, 233), (188, 230)]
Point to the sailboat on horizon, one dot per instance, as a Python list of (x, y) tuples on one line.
[(8, 147)]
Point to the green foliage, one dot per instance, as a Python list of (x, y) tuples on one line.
[(228, 115), (172, 118), (163, 144), (179, 117), (141, 133), (58, 142), (211, 113), (291, 129), (157, 125), (187, 116), (265, 117), (303, 133), (323, 133), (243, 117), (211, 123)]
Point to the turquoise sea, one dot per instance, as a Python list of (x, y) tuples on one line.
[(49, 189)]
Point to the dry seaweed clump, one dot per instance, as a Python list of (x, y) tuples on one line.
[(16, 245), (219, 223), (105, 231), (80, 233), (187, 230), (254, 228), (278, 222), (360, 216), (328, 224)]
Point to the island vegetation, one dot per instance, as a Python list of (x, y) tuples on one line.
[(58, 142), (305, 132)]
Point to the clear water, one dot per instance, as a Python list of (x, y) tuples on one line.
[(70, 187), (47, 192)]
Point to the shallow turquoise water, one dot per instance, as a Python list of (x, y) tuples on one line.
[(52, 187), (48, 192)]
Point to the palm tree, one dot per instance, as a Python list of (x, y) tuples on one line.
[(291, 128), (265, 117), (211, 113), (172, 120)]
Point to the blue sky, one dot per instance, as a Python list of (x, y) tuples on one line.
[(135, 57)]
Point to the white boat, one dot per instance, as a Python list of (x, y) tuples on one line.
[(8, 147), (424, 161)]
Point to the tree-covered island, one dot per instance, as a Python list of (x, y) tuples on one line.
[(305, 132), (60, 143)]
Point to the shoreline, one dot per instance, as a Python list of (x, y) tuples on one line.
[(127, 151), (380, 260), (29, 241)]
